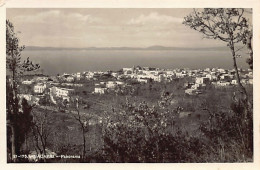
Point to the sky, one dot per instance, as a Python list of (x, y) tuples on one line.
[(106, 27)]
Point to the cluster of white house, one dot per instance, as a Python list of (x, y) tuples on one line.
[(58, 91), (141, 74), (35, 79), (218, 78), (103, 87), (146, 74), (43, 87), (63, 93), (203, 77), (84, 75)]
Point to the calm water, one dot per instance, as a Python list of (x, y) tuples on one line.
[(59, 61)]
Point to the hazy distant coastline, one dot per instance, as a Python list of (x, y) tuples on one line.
[(157, 47), (54, 61)]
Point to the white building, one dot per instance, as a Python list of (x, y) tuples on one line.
[(234, 82), (78, 76), (128, 71), (222, 83), (72, 84), (161, 78), (209, 76), (180, 75), (41, 78), (169, 72), (142, 80), (28, 97), (195, 86), (100, 90), (27, 82), (39, 88), (221, 70), (202, 80), (120, 83), (190, 91), (70, 78), (114, 75), (226, 77), (64, 92), (208, 69), (89, 75), (111, 84)]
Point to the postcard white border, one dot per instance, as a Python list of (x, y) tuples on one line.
[(255, 4)]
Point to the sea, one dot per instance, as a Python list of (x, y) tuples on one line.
[(55, 62)]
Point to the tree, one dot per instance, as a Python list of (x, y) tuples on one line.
[(83, 120), (18, 125), (228, 25), (41, 131), (15, 67), (250, 50)]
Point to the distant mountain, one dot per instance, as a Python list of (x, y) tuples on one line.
[(33, 48), (185, 48)]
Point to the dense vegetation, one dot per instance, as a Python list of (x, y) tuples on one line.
[(138, 128)]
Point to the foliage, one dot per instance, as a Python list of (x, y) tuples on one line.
[(134, 131), (41, 131), (230, 26), (26, 89), (226, 24), (229, 139), (16, 119), (13, 53), (18, 124), (82, 119), (45, 100), (141, 134)]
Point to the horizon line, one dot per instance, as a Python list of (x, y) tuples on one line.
[(159, 47)]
